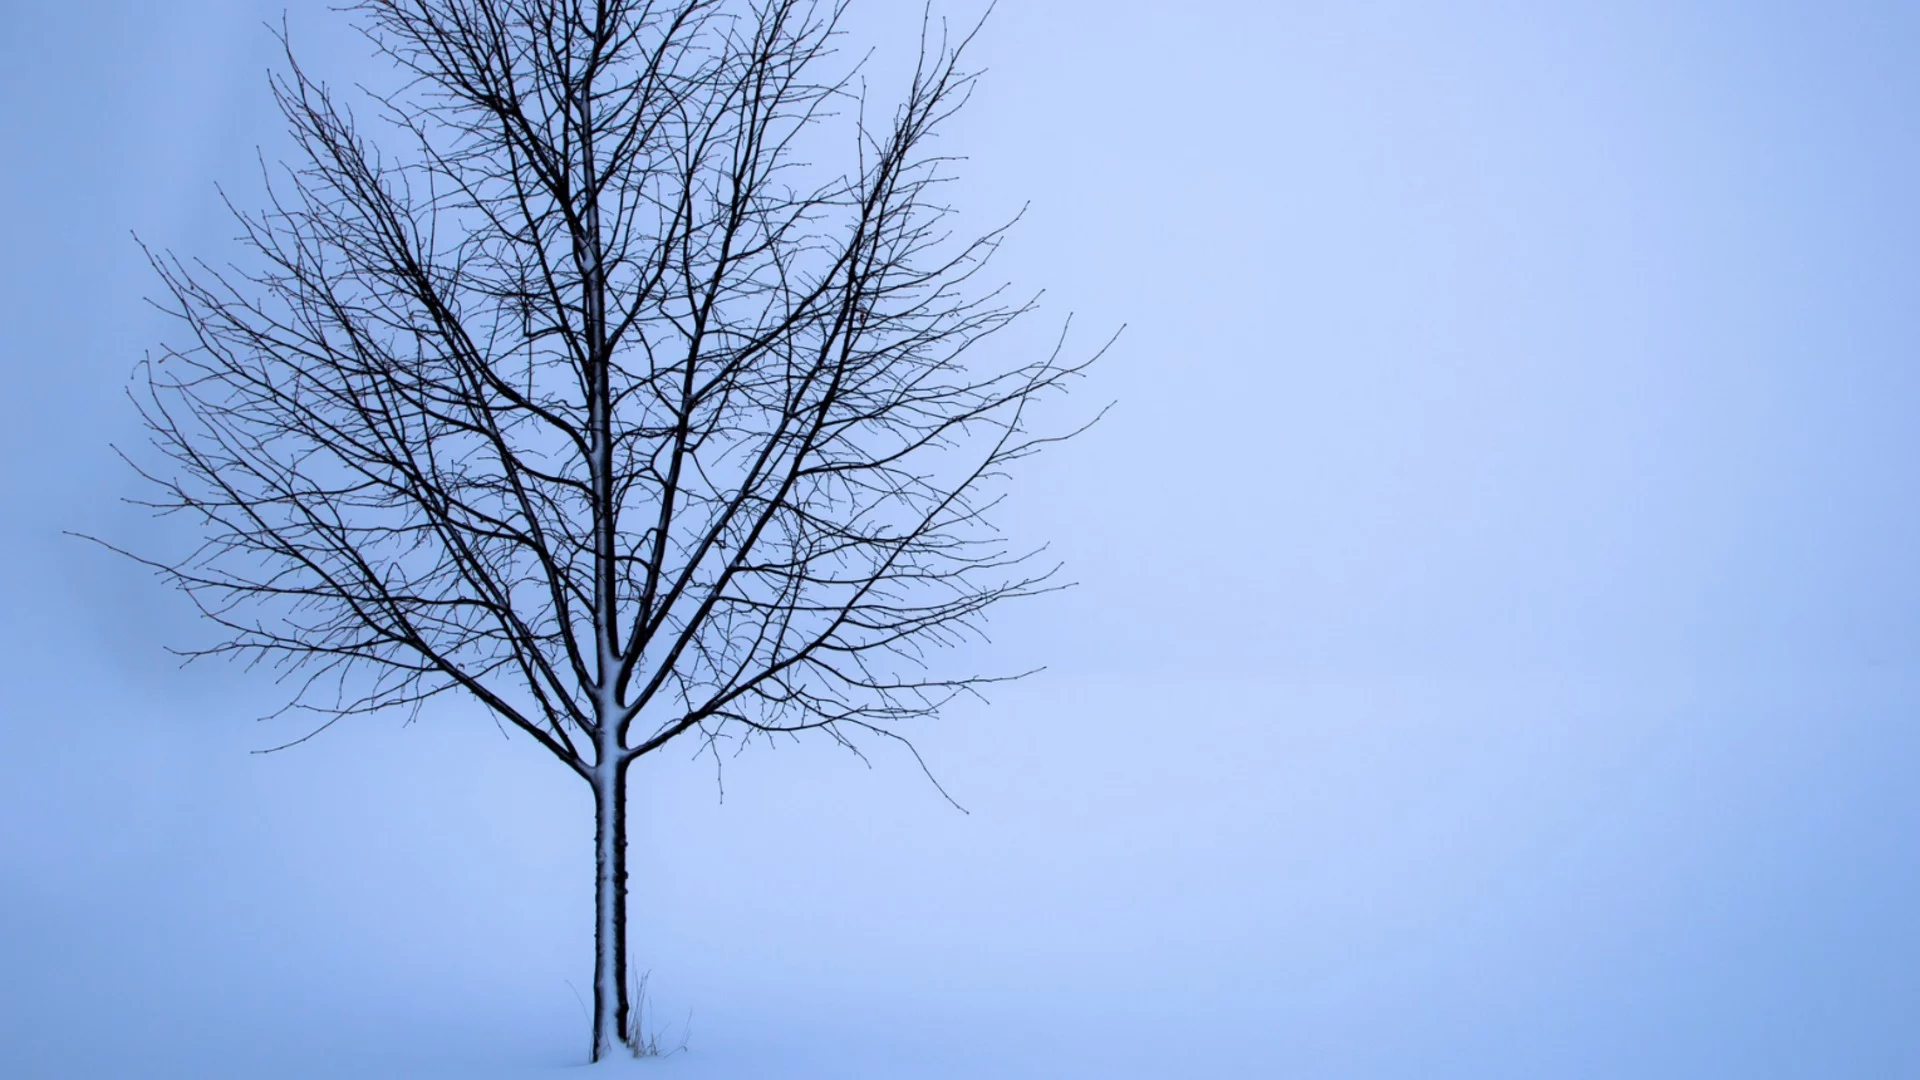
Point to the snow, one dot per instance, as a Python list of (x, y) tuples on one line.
[(1432, 879), (1497, 653)]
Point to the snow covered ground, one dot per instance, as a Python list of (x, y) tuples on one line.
[(1230, 878)]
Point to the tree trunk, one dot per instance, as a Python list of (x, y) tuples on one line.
[(610, 909)]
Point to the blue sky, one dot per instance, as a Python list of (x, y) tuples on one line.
[(1495, 654)]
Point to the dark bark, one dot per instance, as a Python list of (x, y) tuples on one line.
[(612, 1020)]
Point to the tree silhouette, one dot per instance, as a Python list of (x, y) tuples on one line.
[(600, 402)]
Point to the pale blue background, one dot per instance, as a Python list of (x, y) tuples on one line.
[(1497, 655)]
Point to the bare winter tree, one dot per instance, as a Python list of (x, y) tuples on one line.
[(595, 399)]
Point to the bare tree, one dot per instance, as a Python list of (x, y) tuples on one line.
[(601, 403)]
